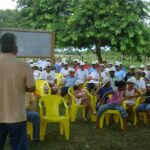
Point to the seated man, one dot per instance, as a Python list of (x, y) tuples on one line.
[(33, 116), (68, 81)]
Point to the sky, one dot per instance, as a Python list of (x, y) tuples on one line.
[(7, 4)]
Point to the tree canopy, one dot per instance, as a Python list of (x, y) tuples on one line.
[(93, 24)]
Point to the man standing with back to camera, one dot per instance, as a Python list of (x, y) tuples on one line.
[(16, 78)]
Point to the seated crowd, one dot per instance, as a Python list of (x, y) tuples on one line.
[(111, 84)]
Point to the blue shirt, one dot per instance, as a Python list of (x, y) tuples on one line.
[(102, 91), (70, 81), (120, 74), (92, 70)]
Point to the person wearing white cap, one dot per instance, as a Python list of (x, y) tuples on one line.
[(36, 72), (112, 76), (140, 82), (131, 73), (81, 73), (103, 72), (120, 74), (81, 97), (68, 81), (93, 67), (65, 69), (76, 64), (145, 105), (94, 79), (58, 65), (131, 94), (50, 77)]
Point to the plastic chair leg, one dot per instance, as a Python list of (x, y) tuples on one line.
[(43, 130)]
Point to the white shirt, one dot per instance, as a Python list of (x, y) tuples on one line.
[(49, 77), (64, 71), (95, 77), (82, 74), (140, 84), (36, 74)]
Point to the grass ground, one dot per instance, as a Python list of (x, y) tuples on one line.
[(85, 136)]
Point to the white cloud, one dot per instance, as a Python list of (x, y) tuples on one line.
[(7, 4)]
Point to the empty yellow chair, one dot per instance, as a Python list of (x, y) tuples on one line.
[(51, 104)]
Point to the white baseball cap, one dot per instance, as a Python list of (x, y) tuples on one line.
[(93, 63), (142, 66), (105, 81), (82, 63), (132, 67), (47, 65), (76, 60), (131, 80), (112, 69), (117, 64), (65, 63), (78, 82), (71, 70)]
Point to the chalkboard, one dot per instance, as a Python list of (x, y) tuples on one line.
[(32, 43)]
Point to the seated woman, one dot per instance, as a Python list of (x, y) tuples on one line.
[(145, 104), (82, 98), (131, 94), (114, 103)]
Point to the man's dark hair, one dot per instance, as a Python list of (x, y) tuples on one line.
[(8, 43)]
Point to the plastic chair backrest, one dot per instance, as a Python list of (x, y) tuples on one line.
[(40, 85), (51, 104), (59, 76)]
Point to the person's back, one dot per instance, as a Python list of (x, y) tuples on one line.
[(16, 78), (12, 88)]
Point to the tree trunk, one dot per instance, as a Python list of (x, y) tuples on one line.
[(98, 51)]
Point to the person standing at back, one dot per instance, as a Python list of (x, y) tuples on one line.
[(16, 78)]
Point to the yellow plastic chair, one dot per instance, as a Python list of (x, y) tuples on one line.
[(59, 77), (51, 104), (142, 114), (134, 109), (40, 86), (106, 115), (74, 106), (30, 129)]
